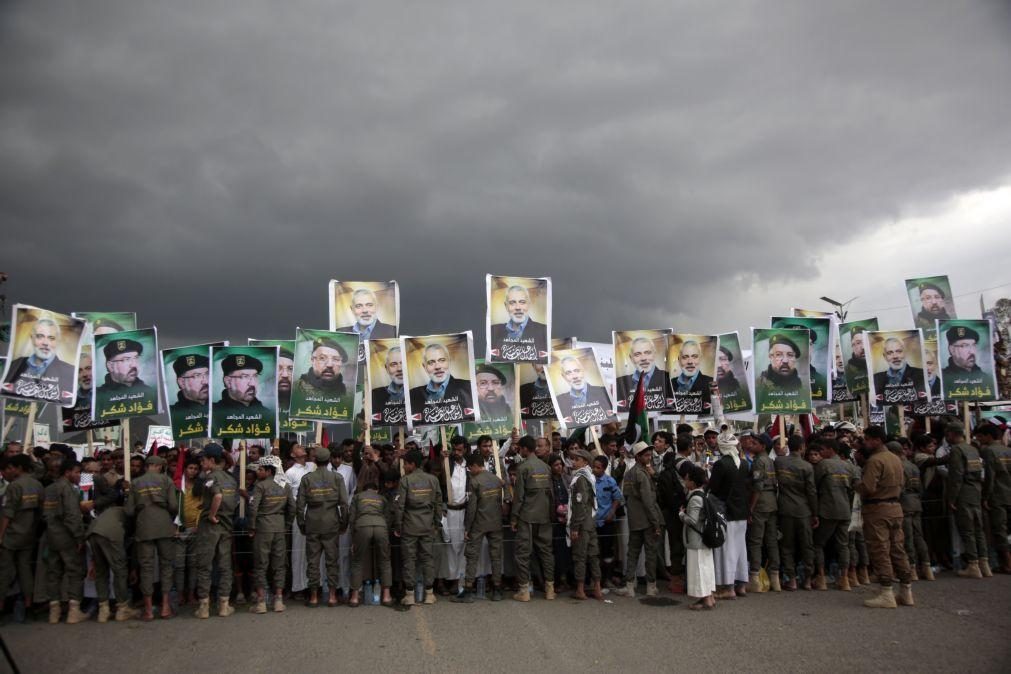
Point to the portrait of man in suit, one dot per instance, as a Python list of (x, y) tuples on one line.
[(520, 338), (642, 356), (580, 394), (42, 375), (899, 382)]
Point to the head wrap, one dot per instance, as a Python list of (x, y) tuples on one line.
[(275, 461), (727, 443)]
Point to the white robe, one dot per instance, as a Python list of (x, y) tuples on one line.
[(456, 549), (344, 543), (299, 578)]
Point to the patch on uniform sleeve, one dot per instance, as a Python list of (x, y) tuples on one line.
[(209, 483), (579, 498)]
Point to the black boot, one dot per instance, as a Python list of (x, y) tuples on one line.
[(465, 597), (496, 593)]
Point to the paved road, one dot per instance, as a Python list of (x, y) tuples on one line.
[(957, 625)]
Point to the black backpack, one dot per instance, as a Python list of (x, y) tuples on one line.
[(713, 522)]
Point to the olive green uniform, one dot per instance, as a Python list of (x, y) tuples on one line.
[(321, 514), (484, 520), (370, 518), (582, 503), (22, 507), (912, 510), (532, 514), (644, 519), (154, 503), (64, 533), (214, 541), (798, 503), (880, 487), (271, 512), (996, 491), (107, 540), (763, 532), (418, 515), (835, 483), (965, 491)]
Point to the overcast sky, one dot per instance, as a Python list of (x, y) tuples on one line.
[(696, 165)]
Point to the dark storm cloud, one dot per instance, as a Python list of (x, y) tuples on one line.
[(213, 164)]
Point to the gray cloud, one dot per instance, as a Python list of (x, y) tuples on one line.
[(213, 164)]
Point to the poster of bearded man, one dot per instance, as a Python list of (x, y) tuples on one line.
[(968, 373), (731, 375), (821, 333), (440, 379), (81, 416), (386, 380), (578, 389), (641, 354), (518, 320), (186, 378), (243, 392), (325, 376), (897, 360), (285, 381), (369, 309), (782, 371), (42, 357), (495, 390), (692, 360), (853, 345), (129, 364), (930, 300)]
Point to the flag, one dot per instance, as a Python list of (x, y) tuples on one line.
[(638, 421)]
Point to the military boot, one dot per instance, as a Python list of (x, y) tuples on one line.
[(926, 573), (984, 567), (627, 591), (408, 599), (774, 585), (905, 595), (971, 570), (103, 612), (819, 581), (549, 590), (754, 585), (884, 599), (224, 610), (124, 612), (203, 608), (278, 603), (429, 596), (843, 583), (852, 575), (651, 590), (54, 612), (865, 578), (75, 614)]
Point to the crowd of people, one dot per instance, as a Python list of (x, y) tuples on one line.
[(714, 517)]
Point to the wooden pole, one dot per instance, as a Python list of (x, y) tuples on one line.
[(926, 423), (842, 411), (125, 439), (866, 409), (319, 432), (782, 431), (7, 427), (402, 448), (445, 464), (91, 442), (516, 400), (242, 476), (30, 426), (367, 407), (965, 419), (597, 451), (902, 420), (499, 467)]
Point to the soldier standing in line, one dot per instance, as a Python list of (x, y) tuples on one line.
[(153, 502), (321, 514), (417, 517), (218, 494)]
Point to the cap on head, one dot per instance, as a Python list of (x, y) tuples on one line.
[(214, 451), (155, 460), (240, 361), (582, 454), (120, 346), (931, 286), (640, 447), (322, 454), (191, 361), (786, 341), (960, 332)]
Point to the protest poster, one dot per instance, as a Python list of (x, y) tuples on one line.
[(386, 383), (578, 389), (186, 378), (999, 313), (638, 354), (969, 372), (605, 362), (535, 394), (325, 376), (158, 436), (930, 300), (246, 404), (811, 313), (440, 379), (853, 344), (897, 359), (782, 371), (692, 362), (42, 357), (285, 377), (821, 334), (369, 309), (40, 435), (104, 322), (17, 408), (731, 374), (518, 320), (495, 390), (80, 417), (559, 343), (129, 360)]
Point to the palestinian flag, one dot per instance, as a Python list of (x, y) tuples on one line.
[(638, 421)]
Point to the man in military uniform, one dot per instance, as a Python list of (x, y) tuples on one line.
[(763, 532), (835, 482), (153, 502), (932, 307), (781, 375), (324, 376), (65, 538), (271, 512), (321, 511), (725, 378), (962, 344), (818, 380), (107, 540), (122, 361), (482, 521), (241, 377), (22, 511), (996, 488), (856, 366), (531, 518), (417, 517), (798, 509), (879, 489), (964, 494), (644, 519), (912, 510), (582, 526), (193, 378), (217, 492)]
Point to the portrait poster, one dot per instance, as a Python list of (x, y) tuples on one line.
[(325, 376), (80, 417), (692, 362), (578, 389), (732, 375), (930, 300), (20, 408), (243, 392), (535, 394), (186, 379), (285, 380), (897, 361), (641, 354), (811, 313), (821, 333), (605, 362), (518, 321), (782, 371), (559, 343), (158, 436), (386, 382), (853, 345), (495, 384), (999, 312), (440, 379), (42, 356), (128, 362), (968, 372), (369, 309), (104, 322)]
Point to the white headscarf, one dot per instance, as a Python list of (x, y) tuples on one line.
[(275, 461), (727, 443)]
